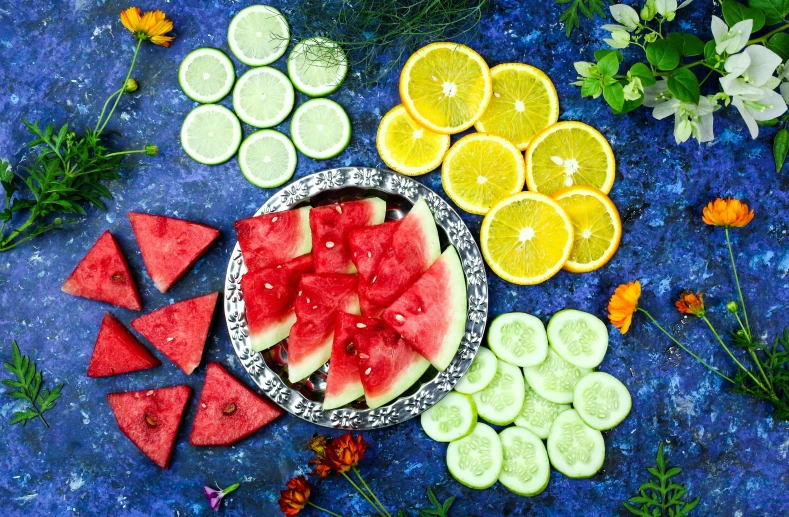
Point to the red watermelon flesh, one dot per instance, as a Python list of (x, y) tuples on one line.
[(228, 411), (431, 314), (170, 246), (150, 419), (179, 330), (368, 307), (388, 366), (118, 351), (319, 300), (273, 239), (269, 294), (415, 246), (343, 384), (331, 226), (103, 275), (369, 245)]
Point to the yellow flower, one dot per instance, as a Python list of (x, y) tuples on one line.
[(691, 303), (151, 26), (727, 213), (623, 304)]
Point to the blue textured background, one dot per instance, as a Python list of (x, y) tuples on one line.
[(59, 60)]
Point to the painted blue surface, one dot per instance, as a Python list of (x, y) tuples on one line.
[(59, 60)]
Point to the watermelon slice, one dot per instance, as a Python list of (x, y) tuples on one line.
[(273, 239), (414, 248), (269, 294), (331, 226), (150, 419), (103, 275), (388, 365), (118, 351), (228, 411), (170, 246), (319, 300), (369, 245), (179, 330), (431, 314), (344, 384)]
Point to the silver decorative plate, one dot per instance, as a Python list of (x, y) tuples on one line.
[(304, 399)]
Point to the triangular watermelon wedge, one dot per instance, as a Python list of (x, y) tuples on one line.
[(320, 298), (103, 275), (269, 294), (343, 384), (388, 366), (431, 314), (170, 246), (369, 245), (331, 226), (273, 239), (150, 419), (179, 330), (228, 411), (118, 351)]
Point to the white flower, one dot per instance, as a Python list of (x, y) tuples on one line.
[(620, 37), (626, 15), (783, 76), (731, 40), (689, 119), (657, 94), (666, 8), (758, 106), (750, 70), (633, 89)]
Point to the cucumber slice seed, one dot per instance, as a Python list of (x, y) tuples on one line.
[(317, 66), (211, 134), (578, 337), (502, 399), (526, 468), (206, 75), (555, 378), (321, 129), (537, 414), (476, 460), (452, 418), (601, 400), (267, 158), (575, 449), (258, 35), (519, 339), (479, 374), (263, 97)]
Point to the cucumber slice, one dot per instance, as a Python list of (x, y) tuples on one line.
[(501, 400), (452, 418), (479, 374), (258, 35), (575, 449), (555, 378), (476, 460), (519, 339), (263, 97), (526, 469), (578, 337), (211, 134), (317, 66), (602, 401), (267, 158), (206, 75), (537, 414), (320, 128)]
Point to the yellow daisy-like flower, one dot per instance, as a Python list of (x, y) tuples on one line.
[(151, 26), (727, 213), (623, 304)]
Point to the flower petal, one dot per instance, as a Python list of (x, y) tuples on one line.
[(763, 63), (625, 15), (737, 64), (753, 127), (719, 31)]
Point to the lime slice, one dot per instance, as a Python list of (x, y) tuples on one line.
[(317, 66), (211, 134), (320, 128), (263, 97), (206, 75), (258, 35), (267, 158)]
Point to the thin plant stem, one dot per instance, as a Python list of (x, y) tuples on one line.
[(369, 490), (324, 510), (737, 281), (128, 76), (753, 353), (763, 39), (734, 358), (121, 153), (104, 109), (361, 492)]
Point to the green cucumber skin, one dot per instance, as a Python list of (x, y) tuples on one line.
[(562, 353), (582, 411), (474, 419), (547, 459), (514, 315), (495, 479), (213, 100), (493, 357), (345, 144), (598, 466)]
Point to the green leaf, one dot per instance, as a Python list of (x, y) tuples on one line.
[(6, 175), (774, 10), (29, 381), (615, 96), (779, 44), (687, 44), (591, 87), (734, 12), (663, 55), (780, 148), (609, 65), (644, 73), (684, 85), (600, 54)]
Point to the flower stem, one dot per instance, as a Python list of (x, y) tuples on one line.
[(121, 153), (363, 494), (753, 353), (324, 510), (369, 490), (763, 39), (118, 97), (737, 281), (717, 336)]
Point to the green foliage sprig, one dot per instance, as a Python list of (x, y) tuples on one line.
[(588, 8), (662, 497), (28, 387), (438, 509)]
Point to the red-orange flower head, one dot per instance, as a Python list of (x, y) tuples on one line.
[(727, 213), (295, 497), (623, 304), (691, 303), (346, 452)]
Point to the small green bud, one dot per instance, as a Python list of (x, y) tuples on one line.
[(650, 38), (130, 86), (151, 150), (732, 307), (58, 221), (649, 11)]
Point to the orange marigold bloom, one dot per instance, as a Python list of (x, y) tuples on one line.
[(295, 497), (151, 26), (691, 303), (623, 304), (727, 213), (346, 452)]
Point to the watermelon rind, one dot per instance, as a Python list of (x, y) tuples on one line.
[(348, 395), (274, 333), (409, 376), (297, 372)]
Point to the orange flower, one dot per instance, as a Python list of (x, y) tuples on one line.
[(321, 467), (295, 497), (345, 452), (727, 213), (691, 303), (150, 26), (623, 304)]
